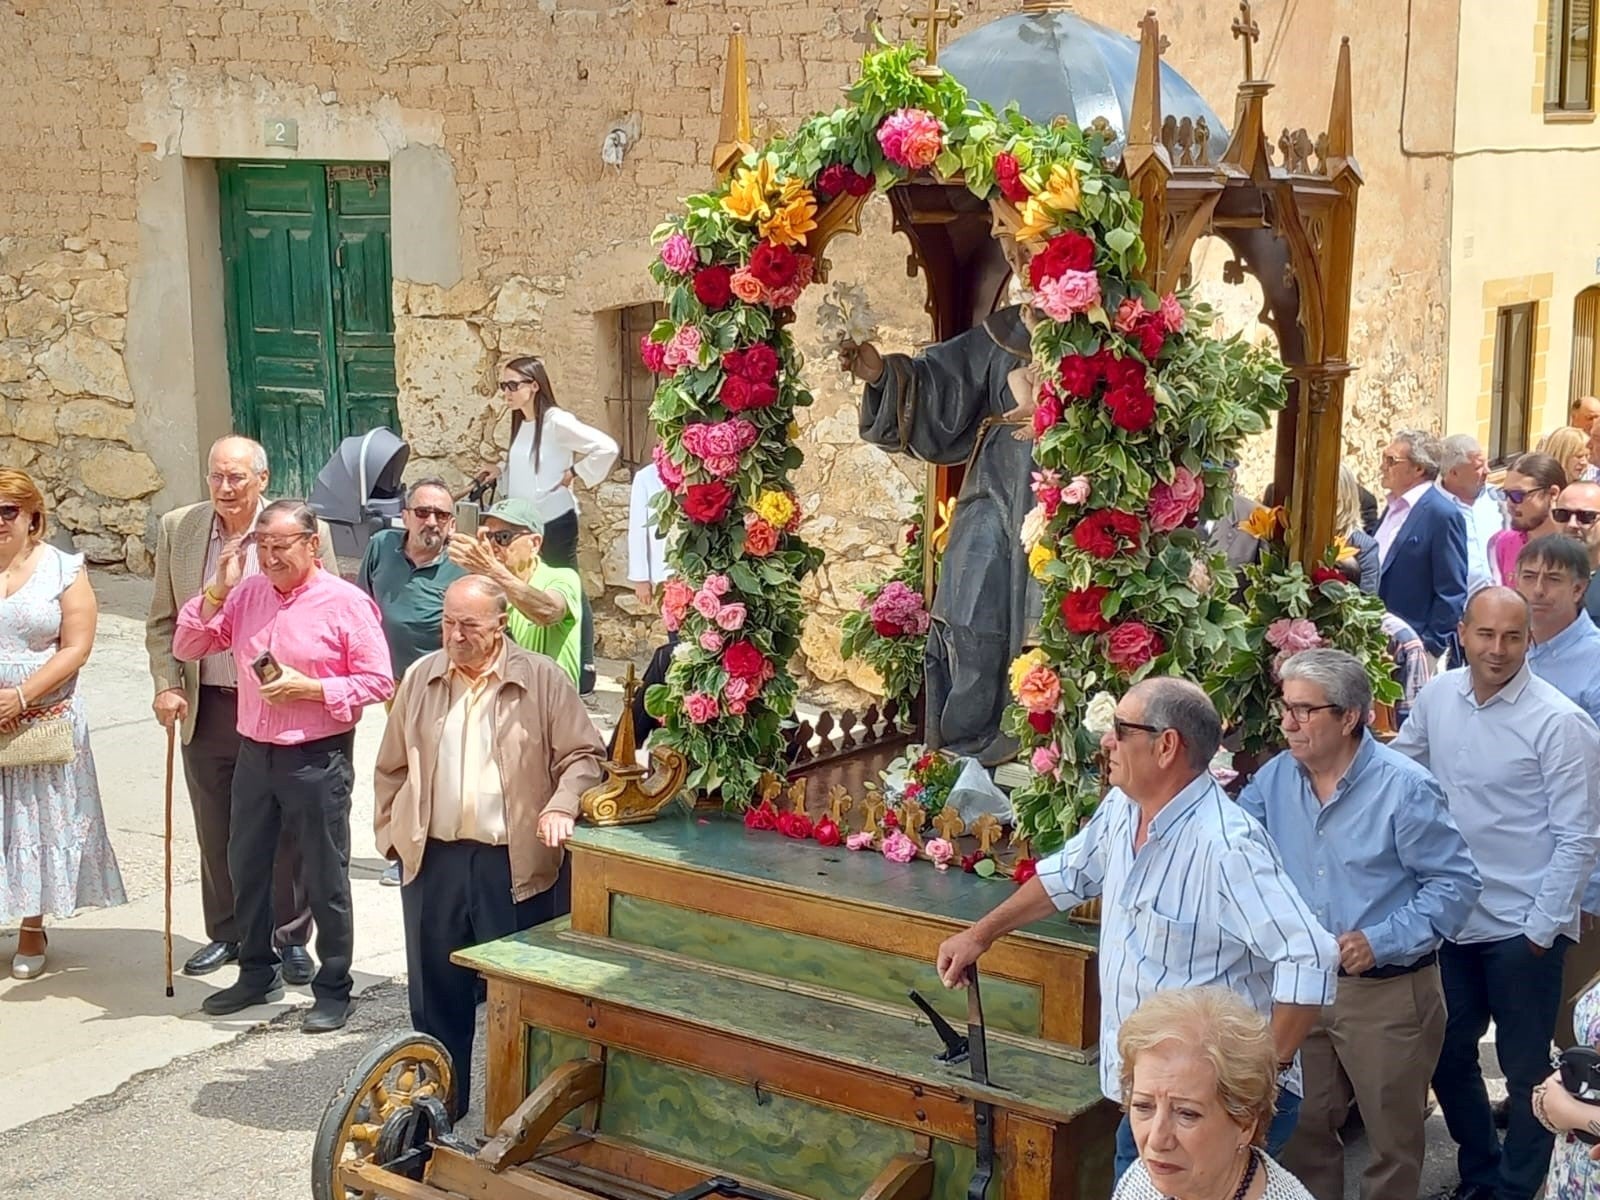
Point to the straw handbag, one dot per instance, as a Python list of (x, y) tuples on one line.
[(42, 739)]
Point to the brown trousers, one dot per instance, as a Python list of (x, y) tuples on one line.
[(208, 762), (1376, 1045), (1578, 971)]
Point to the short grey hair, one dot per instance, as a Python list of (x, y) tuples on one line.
[(1424, 450), (1457, 449), (1341, 677), (1183, 707), (258, 452)]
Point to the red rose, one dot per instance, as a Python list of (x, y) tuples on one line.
[(1042, 723), (762, 817), (969, 862), (1078, 375), (653, 355), (1023, 870), (763, 395), (713, 286), (707, 503), (1081, 610), (1132, 644), (837, 179), (776, 267), (1048, 414), (742, 660), (1131, 408), (827, 832), (887, 629), (1321, 575), (1065, 252), (891, 820), (760, 363), (1008, 177), (795, 825), (1106, 532), (1152, 334), (1121, 373), (735, 393)]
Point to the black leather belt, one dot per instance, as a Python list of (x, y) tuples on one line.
[(217, 687), (1394, 972)]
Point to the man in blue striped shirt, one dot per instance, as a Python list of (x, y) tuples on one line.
[(1365, 835), (1193, 892)]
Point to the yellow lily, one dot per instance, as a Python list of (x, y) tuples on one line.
[(749, 197), (1061, 194), (793, 218), (1265, 523)]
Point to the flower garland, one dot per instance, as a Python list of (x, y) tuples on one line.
[(1136, 413), (890, 629)]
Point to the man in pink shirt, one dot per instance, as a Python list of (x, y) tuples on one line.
[(310, 654)]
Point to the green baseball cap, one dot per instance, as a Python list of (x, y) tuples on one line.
[(520, 513)]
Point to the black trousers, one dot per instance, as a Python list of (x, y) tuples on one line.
[(461, 897), (560, 549), (307, 788), (208, 766)]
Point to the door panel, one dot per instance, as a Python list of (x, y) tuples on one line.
[(358, 204)]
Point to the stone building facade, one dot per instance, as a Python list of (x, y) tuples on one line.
[(508, 233)]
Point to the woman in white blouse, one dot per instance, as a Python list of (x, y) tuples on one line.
[(551, 450)]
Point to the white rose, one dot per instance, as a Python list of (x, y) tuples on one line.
[(1033, 526), (1100, 713)]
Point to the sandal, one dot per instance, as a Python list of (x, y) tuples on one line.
[(29, 966)]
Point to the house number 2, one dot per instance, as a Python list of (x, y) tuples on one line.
[(276, 131)]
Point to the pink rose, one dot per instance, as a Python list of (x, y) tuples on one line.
[(711, 642), (700, 707), (786, 297), (1040, 690), (1171, 504), (684, 348), (731, 617), (911, 137), (1172, 314), (1070, 293), (653, 355), (671, 473), (739, 689), (940, 852), (717, 585), (1044, 760), (1076, 492), (679, 254), (747, 287), (859, 841), (1128, 314), (706, 604), (897, 847), (676, 597), (1293, 636)]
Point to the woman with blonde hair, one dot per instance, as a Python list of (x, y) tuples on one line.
[(1569, 446), (1200, 1083), (1347, 524), (56, 857)]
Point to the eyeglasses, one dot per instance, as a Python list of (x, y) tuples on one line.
[(1389, 460), (504, 537), (218, 479), (273, 545), (1518, 495), (9, 513), (430, 514), (512, 385), (1301, 712), (1121, 729), (1582, 516)]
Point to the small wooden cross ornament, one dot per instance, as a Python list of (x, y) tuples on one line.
[(839, 803), (911, 816), (949, 824), (797, 797), (871, 812), (933, 18), (769, 789), (1245, 27), (987, 830)]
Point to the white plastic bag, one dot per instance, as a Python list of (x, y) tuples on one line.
[(975, 794)]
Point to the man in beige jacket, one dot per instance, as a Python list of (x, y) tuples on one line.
[(486, 755), (202, 698)]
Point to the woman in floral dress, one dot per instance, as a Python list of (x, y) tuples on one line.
[(54, 854), (1573, 1174)]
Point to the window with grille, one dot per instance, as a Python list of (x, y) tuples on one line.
[(1513, 382), (1569, 57), (633, 386)]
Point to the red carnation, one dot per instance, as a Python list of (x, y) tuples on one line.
[(1121, 373), (760, 363), (838, 179), (1023, 870), (827, 832), (776, 267), (707, 503), (1132, 408), (1042, 723), (742, 660), (1322, 575), (1008, 176), (794, 825), (886, 629), (1106, 532), (1081, 610), (1132, 644), (1151, 332), (735, 393), (1069, 251), (762, 817), (1078, 374), (713, 286)]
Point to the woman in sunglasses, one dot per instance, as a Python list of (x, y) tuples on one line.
[(550, 451), (1532, 483), (57, 857)]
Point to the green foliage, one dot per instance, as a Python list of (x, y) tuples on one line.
[(898, 659)]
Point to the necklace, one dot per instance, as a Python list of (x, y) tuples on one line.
[(1249, 1176)]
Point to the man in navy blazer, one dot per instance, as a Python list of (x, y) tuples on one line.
[(1422, 544)]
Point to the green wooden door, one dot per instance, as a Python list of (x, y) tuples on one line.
[(310, 327)]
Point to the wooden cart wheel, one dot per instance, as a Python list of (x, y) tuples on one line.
[(389, 1079)]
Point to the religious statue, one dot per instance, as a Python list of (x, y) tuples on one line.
[(969, 400)]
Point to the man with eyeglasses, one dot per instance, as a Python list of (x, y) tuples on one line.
[(309, 652), (1366, 838), (202, 700), (1577, 512), (407, 571), (1193, 891), (1515, 759), (546, 601), (1422, 543)]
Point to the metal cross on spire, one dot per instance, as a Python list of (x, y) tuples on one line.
[(933, 19), (1245, 27)]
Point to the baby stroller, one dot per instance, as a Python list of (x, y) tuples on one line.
[(360, 490)]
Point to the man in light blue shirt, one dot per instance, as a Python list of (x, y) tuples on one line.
[(1193, 889), (1366, 838), (1514, 757)]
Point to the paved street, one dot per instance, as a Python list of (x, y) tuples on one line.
[(110, 1088)]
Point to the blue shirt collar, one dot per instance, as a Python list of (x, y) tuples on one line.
[(1510, 694), (1180, 805), (1580, 630)]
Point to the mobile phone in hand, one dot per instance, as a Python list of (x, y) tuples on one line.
[(467, 517), (266, 667)]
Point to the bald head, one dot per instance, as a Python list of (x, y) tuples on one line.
[(1492, 603), (236, 448), (1494, 634), (473, 630), (1585, 412), (1577, 512), (477, 594), (1183, 707), (236, 477)]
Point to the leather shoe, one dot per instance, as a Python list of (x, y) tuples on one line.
[(325, 1016), (296, 965), (241, 996), (211, 956)]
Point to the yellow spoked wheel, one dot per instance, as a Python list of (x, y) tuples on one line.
[(374, 1115)]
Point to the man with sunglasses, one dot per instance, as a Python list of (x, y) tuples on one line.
[(406, 571), (1367, 840), (546, 601), (1193, 892), (1577, 512)]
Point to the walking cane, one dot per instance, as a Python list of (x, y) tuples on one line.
[(167, 922)]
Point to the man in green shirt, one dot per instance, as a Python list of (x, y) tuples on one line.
[(545, 600)]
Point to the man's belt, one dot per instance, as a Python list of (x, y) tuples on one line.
[(1394, 972)]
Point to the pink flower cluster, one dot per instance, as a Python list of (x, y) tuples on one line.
[(1293, 635), (900, 609), (897, 847), (653, 354), (1171, 504), (1044, 760), (719, 445), (1049, 491), (678, 598), (747, 285), (1068, 294), (671, 473), (684, 348), (911, 137), (700, 707), (679, 254)]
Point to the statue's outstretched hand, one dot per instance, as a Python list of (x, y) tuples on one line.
[(861, 359)]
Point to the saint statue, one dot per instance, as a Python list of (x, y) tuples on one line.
[(968, 400)]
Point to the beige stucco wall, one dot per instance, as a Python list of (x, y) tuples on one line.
[(1522, 226)]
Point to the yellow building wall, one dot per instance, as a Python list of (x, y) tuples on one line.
[(1523, 225)]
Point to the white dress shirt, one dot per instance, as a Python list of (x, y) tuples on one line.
[(1484, 518), (1204, 901), (568, 445), (647, 549), (1519, 775), (1394, 518)]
